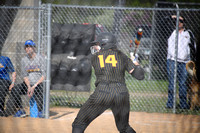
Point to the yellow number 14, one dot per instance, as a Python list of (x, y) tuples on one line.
[(110, 59)]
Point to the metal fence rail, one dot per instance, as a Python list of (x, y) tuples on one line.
[(150, 95)]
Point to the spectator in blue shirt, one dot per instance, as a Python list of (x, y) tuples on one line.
[(6, 84)]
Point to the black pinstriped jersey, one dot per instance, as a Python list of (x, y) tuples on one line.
[(110, 66)]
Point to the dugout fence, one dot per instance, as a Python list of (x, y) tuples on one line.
[(38, 23)]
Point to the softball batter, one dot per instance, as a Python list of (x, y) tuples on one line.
[(110, 65)]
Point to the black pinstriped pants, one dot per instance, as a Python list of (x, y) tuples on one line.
[(107, 95)]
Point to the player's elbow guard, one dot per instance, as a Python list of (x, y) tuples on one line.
[(138, 73)]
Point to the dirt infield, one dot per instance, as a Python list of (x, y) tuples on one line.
[(61, 119)]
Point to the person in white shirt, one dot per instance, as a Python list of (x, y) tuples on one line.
[(183, 57)]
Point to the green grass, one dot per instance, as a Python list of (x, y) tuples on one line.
[(145, 96)]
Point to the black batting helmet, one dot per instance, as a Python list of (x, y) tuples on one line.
[(105, 40)]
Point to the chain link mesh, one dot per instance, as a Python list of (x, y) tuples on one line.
[(18, 25), (150, 95)]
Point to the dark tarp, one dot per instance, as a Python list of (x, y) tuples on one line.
[(70, 63)]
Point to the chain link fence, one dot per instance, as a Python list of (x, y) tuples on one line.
[(19, 24), (149, 95)]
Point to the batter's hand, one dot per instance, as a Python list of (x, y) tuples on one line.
[(134, 58)]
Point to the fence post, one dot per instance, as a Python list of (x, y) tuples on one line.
[(151, 48), (39, 28), (48, 60), (176, 52)]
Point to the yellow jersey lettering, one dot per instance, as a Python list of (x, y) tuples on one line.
[(110, 59)]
